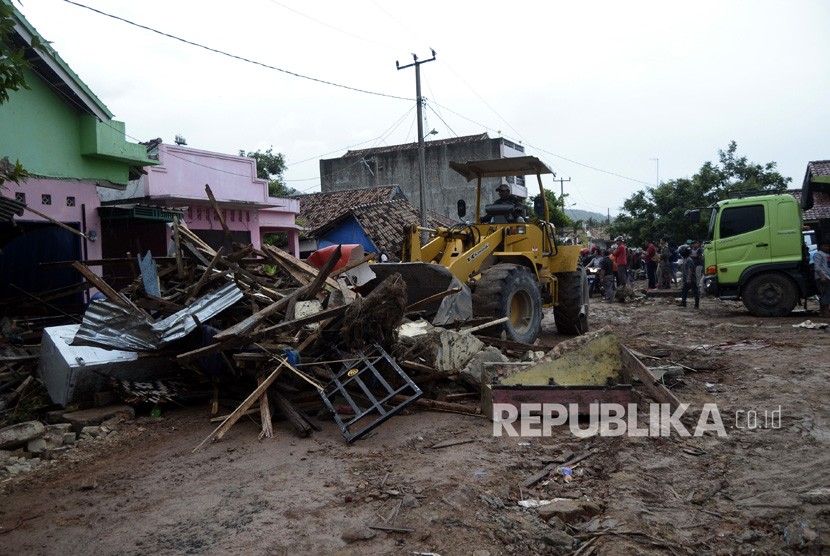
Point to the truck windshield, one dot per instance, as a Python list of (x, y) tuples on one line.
[(712, 219)]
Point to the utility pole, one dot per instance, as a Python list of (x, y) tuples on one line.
[(657, 160), (561, 186), (421, 159)]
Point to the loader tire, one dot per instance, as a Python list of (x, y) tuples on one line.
[(509, 290), (571, 311)]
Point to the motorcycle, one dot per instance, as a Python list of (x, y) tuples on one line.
[(594, 283)]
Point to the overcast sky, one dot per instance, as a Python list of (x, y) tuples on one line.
[(606, 92)]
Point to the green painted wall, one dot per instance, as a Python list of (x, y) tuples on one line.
[(51, 138)]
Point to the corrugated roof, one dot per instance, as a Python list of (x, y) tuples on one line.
[(384, 222), (821, 204), (9, 208), (318, 209), (409, 146)]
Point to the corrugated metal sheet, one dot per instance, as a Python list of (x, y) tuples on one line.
[(111, 326), (9, 208)]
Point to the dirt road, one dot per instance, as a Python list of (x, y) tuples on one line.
[(763, 488)]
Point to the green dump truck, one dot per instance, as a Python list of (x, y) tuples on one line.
[(755, 253)]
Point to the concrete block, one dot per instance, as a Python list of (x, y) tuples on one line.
[(20, 434), (93, 431), (455, 350), (40, 445), (472, 373), (97, 415), (569, 511)]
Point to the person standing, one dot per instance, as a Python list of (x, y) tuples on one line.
[(688, 276), (821, 268), (634, 262), (651, 264), (606, 275), (664, 274), (697, 256), (621, 258)]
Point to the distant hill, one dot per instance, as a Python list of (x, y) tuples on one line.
[(584, 215)]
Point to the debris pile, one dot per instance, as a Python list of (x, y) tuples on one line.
[(259, 332)]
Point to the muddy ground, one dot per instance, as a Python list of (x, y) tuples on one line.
[(763, 490)]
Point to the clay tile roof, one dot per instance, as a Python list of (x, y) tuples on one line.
[(821, 203), (318, 209), (819, 168), (384, 222), (409, 146)]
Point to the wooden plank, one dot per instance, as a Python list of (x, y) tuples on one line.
[(454, 442), (220, 431), (302, 266), (194, 291), (215, 205), (318, 281), (290, 412), (107, 290), (322, 315), (483, 326), (254, 320), (55, 222), (196, 240), (264, 410), (429, 300), (639, 371), (354, 264), (177, 237)]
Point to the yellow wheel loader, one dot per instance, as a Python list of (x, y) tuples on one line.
[(509, 267)]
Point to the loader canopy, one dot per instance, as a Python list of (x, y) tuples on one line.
[(501, 167)]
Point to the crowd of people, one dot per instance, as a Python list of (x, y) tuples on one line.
[(663, 266)]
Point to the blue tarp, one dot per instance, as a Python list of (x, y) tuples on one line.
[(348, 232)]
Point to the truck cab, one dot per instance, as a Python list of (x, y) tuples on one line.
[(755, 253)]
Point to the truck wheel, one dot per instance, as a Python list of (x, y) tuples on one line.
[(510, 290), (571, 311), (770, 295)]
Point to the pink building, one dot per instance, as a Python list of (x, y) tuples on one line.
[(133, 218)]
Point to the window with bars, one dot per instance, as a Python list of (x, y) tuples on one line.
[(45, 199), (70, 201)]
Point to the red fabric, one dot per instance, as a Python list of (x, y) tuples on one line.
[(620, 254), (651, 253)]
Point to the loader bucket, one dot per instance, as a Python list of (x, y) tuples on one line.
[(424, 280)]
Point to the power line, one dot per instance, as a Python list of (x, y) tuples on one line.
[(377, 140), (236, 57), (428, 105), (548, 152), (323, 23), (294, 74)]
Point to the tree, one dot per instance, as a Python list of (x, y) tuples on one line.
[(658, 211), (556, 209), (12, 78), (271, 166)]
